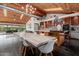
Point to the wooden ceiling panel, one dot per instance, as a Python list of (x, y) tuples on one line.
[(67, 7), (14, 6), (13, 17), (1, 12), (44, 5), (11, 20)]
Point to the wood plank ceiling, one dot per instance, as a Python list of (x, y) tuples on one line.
[(13, 17), (41, 9), (65, 7)]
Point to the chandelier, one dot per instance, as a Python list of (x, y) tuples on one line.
[(30, 9)]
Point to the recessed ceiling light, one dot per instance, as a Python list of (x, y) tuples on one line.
[(22, 7), (5, 12), (53, 9), (14, 19)]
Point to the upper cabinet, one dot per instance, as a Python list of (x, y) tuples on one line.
[(72, 20), (46, 24)]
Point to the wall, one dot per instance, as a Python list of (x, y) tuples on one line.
[(31, 25), (52, 15), (71, 20)]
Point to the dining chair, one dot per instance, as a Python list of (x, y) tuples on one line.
[(46, 49)]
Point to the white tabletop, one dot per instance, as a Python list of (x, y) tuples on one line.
[(35, 39)]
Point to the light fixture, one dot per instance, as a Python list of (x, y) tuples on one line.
[(21, 16), (35, 9), (27, 5), (30, 9), (5, 12), (31, 6), (54, 9), (33, 12), (14, 19), (26, 10), (76, 17), (22, 7)]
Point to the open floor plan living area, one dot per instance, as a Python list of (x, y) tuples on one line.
[(39, 29)]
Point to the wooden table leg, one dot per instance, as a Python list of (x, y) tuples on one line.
[(25, 51)]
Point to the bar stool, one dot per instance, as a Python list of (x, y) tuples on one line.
[(48, 48), (25, 45), (24, 49)]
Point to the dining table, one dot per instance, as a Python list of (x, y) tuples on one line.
[(35, 39), (45, 44)]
